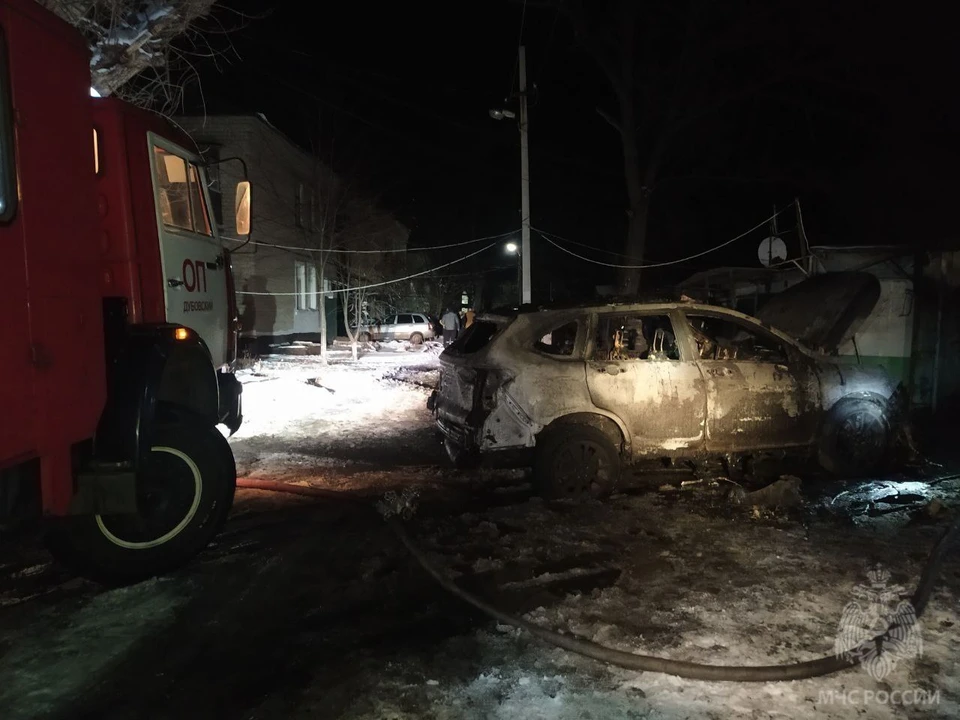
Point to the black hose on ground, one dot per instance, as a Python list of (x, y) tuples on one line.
[(648, 663)]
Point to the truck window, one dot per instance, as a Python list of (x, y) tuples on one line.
[(96, 152), (8, 173), (179, 193)]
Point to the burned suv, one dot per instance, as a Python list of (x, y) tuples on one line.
[(590, 389)]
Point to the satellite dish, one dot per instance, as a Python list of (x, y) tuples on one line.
[(771, 250)]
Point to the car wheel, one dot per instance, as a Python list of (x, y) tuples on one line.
[(574, 461), (856, 438), (185, 490), (364, 337), (416, 339)]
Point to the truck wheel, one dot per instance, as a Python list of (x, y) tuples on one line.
[(855, 440), (574, 461), (185, 491), (416, 339)]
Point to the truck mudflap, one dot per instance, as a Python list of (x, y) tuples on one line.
[(231, 405)]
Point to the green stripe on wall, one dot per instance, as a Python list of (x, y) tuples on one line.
[(896, 367)]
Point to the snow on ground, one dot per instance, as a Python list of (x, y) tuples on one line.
[(306, 609), (685, 576), (302, 416)]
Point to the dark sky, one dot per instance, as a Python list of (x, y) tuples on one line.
[(865, 133)]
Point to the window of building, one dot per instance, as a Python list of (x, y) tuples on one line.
[(306, 285), (8, 172), (727, 339), (635, 337), (298, 209), (560, 341)]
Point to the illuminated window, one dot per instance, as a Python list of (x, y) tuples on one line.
[(180, 198), (96, 152)]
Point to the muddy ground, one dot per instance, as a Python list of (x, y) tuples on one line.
[(312, 608)]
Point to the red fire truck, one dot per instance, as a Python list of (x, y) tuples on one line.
[(118, 316)]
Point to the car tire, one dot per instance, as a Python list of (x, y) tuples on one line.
[(186, 490), (575, 461), (416, 338), (364, 337), (856, 438)]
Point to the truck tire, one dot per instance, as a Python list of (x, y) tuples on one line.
[(855, 440), (185, 490), (575, 460)]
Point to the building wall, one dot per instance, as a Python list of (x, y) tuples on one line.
[(283, 180), (913, 332)]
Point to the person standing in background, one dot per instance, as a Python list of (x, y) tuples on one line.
[(451, 325), (468, 318)]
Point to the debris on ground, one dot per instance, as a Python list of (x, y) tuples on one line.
[(305, 608)]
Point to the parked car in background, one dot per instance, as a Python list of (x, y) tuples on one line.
[(415, 327), (590, 389)]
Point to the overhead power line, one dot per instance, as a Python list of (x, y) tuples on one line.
[(547, 236), (298, 248), (378, 284)]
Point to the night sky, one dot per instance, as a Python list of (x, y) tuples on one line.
[(863, 127)]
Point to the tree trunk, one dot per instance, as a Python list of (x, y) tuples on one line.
[(322, 306), (356, 317)]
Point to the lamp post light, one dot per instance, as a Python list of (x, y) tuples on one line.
[(500, 114)]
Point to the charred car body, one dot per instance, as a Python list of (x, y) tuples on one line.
[(592, 388)]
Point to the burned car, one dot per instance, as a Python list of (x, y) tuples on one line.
[(587, 390)]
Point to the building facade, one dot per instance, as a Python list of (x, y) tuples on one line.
[(278, 287)]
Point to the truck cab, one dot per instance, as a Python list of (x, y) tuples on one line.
[(119, 317)]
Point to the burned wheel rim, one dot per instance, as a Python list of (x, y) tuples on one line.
[(582, 467), (169, 489), (862, 437)]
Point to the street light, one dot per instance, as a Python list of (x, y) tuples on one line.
[(501, 114), (512, 247)]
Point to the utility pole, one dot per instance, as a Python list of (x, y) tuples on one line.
[(525, 182)]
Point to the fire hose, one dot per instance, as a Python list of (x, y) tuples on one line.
[(825, 665)]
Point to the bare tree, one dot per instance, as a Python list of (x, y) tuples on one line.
[(142, 50), (674, 66), (367, 240)]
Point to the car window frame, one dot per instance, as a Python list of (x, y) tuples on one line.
[(755, 326), (545, 325), (680, 331)]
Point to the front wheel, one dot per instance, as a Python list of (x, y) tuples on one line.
[(184, 491), (855, 441), (574, 461), (416, 339)]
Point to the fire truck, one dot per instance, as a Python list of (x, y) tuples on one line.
[(118, 315)]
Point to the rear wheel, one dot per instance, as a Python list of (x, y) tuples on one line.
[(855, 439), (574, 461), (416, 339), (184, 490), (364, 337)]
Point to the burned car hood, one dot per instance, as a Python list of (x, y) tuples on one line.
[(824, 311)]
